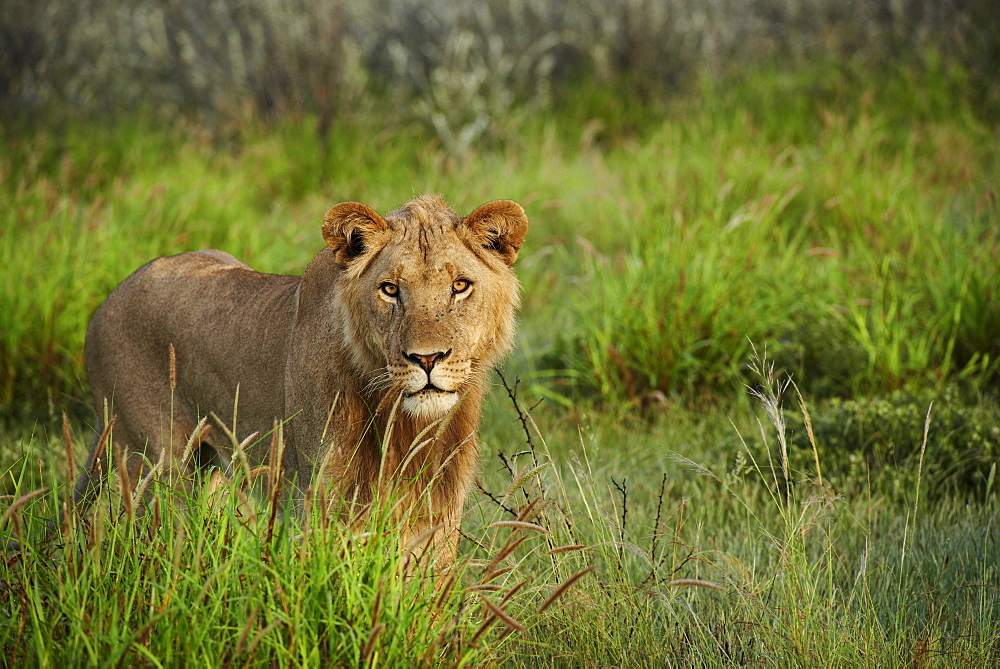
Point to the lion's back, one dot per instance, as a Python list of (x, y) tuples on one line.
[(224, 320), (151, 301)]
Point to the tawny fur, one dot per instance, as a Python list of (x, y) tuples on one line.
[(402, 316)]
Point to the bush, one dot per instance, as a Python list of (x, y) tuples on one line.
[(878, 440)]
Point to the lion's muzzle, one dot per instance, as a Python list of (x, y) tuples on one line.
[(432, 382)]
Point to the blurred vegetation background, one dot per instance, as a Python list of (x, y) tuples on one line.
[(467, 70)]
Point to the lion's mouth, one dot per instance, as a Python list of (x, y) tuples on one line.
[(430, 402), (429, 389)]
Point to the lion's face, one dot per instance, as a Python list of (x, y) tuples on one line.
[(428, 295)]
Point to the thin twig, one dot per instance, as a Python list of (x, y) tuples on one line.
[(656, 530), (623, 489), (512, 394), (494, 499)]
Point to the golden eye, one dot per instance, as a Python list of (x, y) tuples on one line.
[(460, 285), (389, 288)]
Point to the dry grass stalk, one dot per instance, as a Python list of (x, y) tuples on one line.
[(694, 582), (124, 482), (564, 587), (238, 447), (502, 615), (329, 416), (245, 632), (507, 549), (12, 511), (530, 511), (487, 624), (69, 508), (520, 525), (485, 587), (276, 465), (254, 473), (809, 433), (68, 441), (389, 425), (372, 639), (252, 646), (236, 406), (219, 479), (526, 473), (498, 573), (197, 436), (513, 591), (102, 441), (920, 462), (173, 368), (445, 589), (157, 518), (423, 538)]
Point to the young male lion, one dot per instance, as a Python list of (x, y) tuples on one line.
[(401, 317)]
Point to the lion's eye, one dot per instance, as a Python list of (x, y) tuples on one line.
[(460, 285), (389, 288)]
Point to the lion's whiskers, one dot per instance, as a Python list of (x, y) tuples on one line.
[(380, 380)]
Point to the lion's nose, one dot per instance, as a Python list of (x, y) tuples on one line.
[(427, 361)]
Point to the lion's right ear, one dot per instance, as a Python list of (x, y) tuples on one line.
[(501, 226), (351, 229)]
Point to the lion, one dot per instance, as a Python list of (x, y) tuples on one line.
[(374, 360)]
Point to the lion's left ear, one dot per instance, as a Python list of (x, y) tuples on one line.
[(351, 229), (501, 225)]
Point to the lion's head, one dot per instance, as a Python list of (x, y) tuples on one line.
[(427, 296)]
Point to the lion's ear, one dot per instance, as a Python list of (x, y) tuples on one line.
[(351, 228), (501, 225)]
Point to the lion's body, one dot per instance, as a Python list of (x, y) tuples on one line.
[(398, 318)]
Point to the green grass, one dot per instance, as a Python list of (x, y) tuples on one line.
[(848, 223), (698, 556), (863, 229)]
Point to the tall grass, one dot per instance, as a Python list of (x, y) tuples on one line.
[(841, 236), (807, 576), (199, 571), (579, 548)]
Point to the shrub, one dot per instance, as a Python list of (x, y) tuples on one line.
[(876, 440)]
